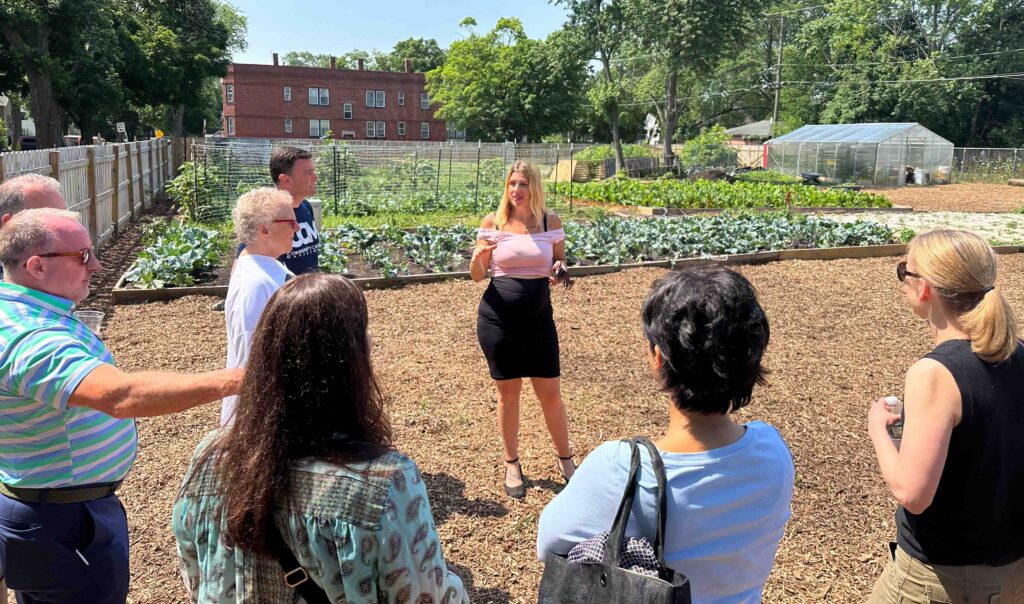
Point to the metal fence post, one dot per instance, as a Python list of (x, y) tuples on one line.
[(963, 162), (558, 157), (334, 157), (437, 180), (572, 169), (1013, 171), (195, 177), (344, 175), (415, 164), (476, 193), (451, 156)]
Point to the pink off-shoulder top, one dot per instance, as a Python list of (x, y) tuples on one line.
[(521, 254)]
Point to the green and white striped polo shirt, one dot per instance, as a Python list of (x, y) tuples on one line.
[(44, 354)]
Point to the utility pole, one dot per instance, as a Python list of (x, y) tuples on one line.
[(778, 73)]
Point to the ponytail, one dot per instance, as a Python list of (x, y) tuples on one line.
[(961, 266), (992, 327)]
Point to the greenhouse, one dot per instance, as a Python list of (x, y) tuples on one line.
[(863, 154)]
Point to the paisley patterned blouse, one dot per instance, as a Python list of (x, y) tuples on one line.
[(363, 532)]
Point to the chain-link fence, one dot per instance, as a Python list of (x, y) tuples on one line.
[(984, 164), (359, 179)]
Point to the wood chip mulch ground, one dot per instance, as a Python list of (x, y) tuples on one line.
[(841, 337), (972, 197)]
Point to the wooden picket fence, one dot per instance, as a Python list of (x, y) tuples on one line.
[(109, 185)]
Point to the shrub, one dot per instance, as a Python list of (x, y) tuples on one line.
[(708, 150)]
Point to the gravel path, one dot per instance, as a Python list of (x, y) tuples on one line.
[(996, 228), (840, 337), (973, 197)]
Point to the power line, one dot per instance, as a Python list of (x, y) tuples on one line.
[(943, 58), (994, 76)]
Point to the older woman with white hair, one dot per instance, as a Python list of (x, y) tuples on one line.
[(265, 223)]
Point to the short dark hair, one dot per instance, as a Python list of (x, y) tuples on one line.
[(283, 160), (712, 333)]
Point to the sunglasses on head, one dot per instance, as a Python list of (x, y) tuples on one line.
[(902, 273)]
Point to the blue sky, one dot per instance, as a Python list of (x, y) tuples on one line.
[(336, 27)]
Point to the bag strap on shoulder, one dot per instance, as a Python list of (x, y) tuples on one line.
[(613, 547), (294, 575), (658, 465)]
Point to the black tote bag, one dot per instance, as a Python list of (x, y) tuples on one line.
[(567, 582)]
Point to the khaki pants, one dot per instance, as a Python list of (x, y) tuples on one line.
[(907, 580)]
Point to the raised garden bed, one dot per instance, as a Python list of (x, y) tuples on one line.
[(390, 257), (706, 194)]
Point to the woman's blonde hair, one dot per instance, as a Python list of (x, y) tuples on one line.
[(536, 186), (962, 268)]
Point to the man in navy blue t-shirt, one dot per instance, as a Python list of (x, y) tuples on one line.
[(292, 170)]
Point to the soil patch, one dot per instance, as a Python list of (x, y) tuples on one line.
[(967, 197), (841, 336)]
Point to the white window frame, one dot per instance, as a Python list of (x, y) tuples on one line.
[(288, 126), (379, 98), (401, 99), (381, 130), (288, 94), (371, 129), (401, 128), (370, 96), (314, 96), (424, 100), (231, 125), (229, 93), (325, 97), (320, 129), (424, 130), (346, 111)]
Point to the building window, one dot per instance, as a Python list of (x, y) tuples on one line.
[(346, 111), (229, 92), (424, 100), (288, 93), (319, 96), (374, 129), (288, 125), (374, 98), (231, 126), (424, 129), (318, 128), (455, 133), (401, 99), (401, 128)]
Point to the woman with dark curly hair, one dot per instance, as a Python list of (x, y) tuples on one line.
[(729, 485), (305, 489)]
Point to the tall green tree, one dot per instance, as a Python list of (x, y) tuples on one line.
[(425, 54), (599, 28), (505, 86), (687, 38)]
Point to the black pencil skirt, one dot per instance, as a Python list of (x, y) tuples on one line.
[(516, 329)]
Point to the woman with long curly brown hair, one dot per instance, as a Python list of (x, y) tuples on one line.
[(308, 466)]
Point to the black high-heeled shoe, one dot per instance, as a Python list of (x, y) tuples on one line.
[(516, 492), (569, 459)]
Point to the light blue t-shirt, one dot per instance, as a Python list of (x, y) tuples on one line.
[(726, 510)]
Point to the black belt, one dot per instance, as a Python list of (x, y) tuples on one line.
[(80, 494)]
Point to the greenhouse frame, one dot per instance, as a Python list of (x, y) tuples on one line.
[(863, 154)]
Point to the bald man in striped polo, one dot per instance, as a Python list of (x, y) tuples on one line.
[(67, 433)]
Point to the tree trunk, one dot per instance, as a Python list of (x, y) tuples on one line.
[(613, 120), (668, 127), (46, 110), (16, 117), (179, 121)]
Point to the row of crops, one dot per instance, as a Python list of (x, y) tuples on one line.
[(185, 255), (706, 194)]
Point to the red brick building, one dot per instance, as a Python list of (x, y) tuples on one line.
[(276, 101)]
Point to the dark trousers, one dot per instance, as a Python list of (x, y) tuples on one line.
[(62, 553)]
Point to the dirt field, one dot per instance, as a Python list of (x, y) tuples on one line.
[(840, 338), (974, 197)]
